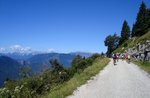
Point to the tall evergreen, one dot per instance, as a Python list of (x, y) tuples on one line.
[(147, 25), (133, 31), (125, 32), (140, 25)]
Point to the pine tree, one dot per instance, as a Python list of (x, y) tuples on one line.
[(147, 25), (125, 32), (56, 67), (140, 24), (133, 31)]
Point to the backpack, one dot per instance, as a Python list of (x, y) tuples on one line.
[(128, 56)]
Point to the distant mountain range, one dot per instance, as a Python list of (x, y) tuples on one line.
[(83, 54), (10, 62), (17, 56), (25, 56), (41, 61)]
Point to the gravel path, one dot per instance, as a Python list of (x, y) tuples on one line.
[(121, 81)]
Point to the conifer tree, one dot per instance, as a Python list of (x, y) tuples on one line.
[(125, 32), (140, 24), (147, 25)]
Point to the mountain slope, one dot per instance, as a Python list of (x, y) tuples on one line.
[(17, 55), (66, 88), (8, 69), (41, 61), (83, 54)]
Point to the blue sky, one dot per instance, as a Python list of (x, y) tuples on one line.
[(64, 25)]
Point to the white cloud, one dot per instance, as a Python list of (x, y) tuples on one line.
[(20, 49), (28, 48), (50, 50), (15, 47), (2, 49)]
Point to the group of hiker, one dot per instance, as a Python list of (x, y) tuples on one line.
[(123, 56), (145, 56)]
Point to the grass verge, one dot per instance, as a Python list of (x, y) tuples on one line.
[(144, 65), (67, 88), (130, 43)]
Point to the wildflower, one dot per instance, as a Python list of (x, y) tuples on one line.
[(33, 92), (7, 91), (25, 83), (21, 86), (13, 96), (17, 90), (4, 89)]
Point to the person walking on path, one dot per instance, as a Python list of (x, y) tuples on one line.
[(114, 56), (127, 57)]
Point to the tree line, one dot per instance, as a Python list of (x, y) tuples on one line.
[(140, 27)]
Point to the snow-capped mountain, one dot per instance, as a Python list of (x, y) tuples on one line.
[(19, 52), (16, 49)]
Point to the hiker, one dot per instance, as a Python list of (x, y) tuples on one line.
[(117, 57), (122, 57), (114, 58), (128, 58), (145, 55)]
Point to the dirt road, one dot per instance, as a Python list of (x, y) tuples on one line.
[(121, 81)]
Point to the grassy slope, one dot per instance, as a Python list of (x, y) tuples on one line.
[(129, 43), (144, 65), (67, 88)]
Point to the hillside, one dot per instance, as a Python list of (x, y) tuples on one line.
[(56, 76), (67, 88), (132, 42), (41, 61), (8, 69), (17, 55)]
